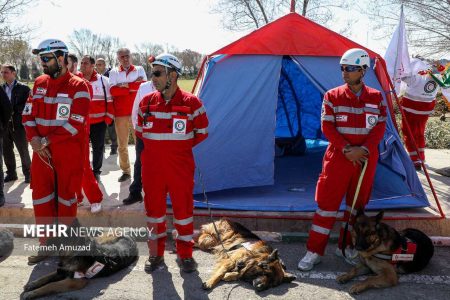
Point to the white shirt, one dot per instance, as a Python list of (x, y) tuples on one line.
[(420, 88), (116, 76), (144, 89)]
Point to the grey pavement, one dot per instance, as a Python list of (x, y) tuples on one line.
[(170, 283)]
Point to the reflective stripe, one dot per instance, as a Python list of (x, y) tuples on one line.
[(326, 102), (326, 213), (162, 115), (168, 136), (417, 112), (183, 221), (53, 100), (99, 97), (328, 118), (350, 227), (153, 236), (156, 220), (412, 153), (97, 115), (67, 202), (202, 130), (372, 110), (70, 128), (44, 199), (199, 111), (418, 98), (138, 128), (421, 149), (110, 115), (319, 229), (186, 238), (45, 122), (355, 110), (30, 123), (81, 95), (38, 96), (382, 119), (351, 130), (349, 208)]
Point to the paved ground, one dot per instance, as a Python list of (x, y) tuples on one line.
[(170, 283)]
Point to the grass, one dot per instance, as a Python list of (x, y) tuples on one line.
[(186, 84)]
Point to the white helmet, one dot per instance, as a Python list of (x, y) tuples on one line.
[(169, 61), (356, 57), (50, 46)]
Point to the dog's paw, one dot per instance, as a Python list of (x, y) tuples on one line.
[(30, 286), (27, 296), (344, 278), (206, 286), (357, 288)]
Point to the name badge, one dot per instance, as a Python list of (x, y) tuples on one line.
[(179, 126), (63, 111), (402, 257), (94, 269), (341, 118)]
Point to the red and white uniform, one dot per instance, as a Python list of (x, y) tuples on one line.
[(144, 89), (102, 106), (418, 103), (347, 119), (170, 131), (57, 110), (123, 97)]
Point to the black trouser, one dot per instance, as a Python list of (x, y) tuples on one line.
[(1, 165), (136, 185), (97, 136), (112, 136), (15, 135)]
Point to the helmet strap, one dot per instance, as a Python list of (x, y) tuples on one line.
[(56, 74), (168, 83)]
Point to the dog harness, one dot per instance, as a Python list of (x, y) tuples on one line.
[(246, 245), (403, 253)]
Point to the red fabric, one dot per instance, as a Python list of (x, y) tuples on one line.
[(100, 110), (417, 124), (168, 165), (124, 98), (89, 184), (67, 138), (342, 109), (292, 35)]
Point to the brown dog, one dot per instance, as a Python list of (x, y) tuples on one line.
[(245, 256), (101, 257), (385, 252)]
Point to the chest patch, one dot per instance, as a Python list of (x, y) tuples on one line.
[(341, 118), (41, 91), (371, 120), (179, 126), (148, 125), (63, 111)]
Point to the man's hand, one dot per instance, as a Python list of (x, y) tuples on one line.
[(140, 78), (45, 152), (36, 143), (123, 84), (356, 154)]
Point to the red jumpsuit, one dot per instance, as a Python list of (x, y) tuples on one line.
[(57, 110), (169, 131), (347, 119), (89, 184), (418, 103)]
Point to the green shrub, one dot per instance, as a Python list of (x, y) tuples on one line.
[(437, 134)]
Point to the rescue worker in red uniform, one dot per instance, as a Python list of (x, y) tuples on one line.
[(418, 103), (353, 121), (170, 123), (55, 119)]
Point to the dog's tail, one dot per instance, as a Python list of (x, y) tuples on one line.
[(424, 251)]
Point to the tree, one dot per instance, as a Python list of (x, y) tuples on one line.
[(427, 23), (8, 10), (144, 50), (14, 50), (24, 72), (191, 61), (238, 15), (35, 71)]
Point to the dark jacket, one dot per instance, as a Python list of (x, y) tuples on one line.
[(5, 110), (19, 96)]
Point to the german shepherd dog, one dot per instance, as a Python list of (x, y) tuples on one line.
[(100, 257), (385, 252), (245, 256)]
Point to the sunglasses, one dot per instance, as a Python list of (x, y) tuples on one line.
[(350, 68), (46, 59), (157, 73)]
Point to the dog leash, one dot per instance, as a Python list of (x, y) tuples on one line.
[(355, 197), (205, 197)]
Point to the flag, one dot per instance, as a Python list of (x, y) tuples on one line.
[(397, 55)]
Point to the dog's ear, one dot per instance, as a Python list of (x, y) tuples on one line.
[(274, 255), (288, 278), (379, 217)]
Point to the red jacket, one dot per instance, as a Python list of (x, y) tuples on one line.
[(58, 109), (123, 97), (182, 123), (351, 120), (102, 108)]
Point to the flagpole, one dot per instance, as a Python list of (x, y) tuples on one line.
[(398, 43), (292, 6)]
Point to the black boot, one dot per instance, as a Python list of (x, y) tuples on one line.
[(133, 198)]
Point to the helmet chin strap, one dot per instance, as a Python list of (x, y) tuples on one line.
[(56, 74), (168, 84)]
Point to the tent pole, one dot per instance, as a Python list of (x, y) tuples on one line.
[(200, 73), (292, 6), (391, 85)]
